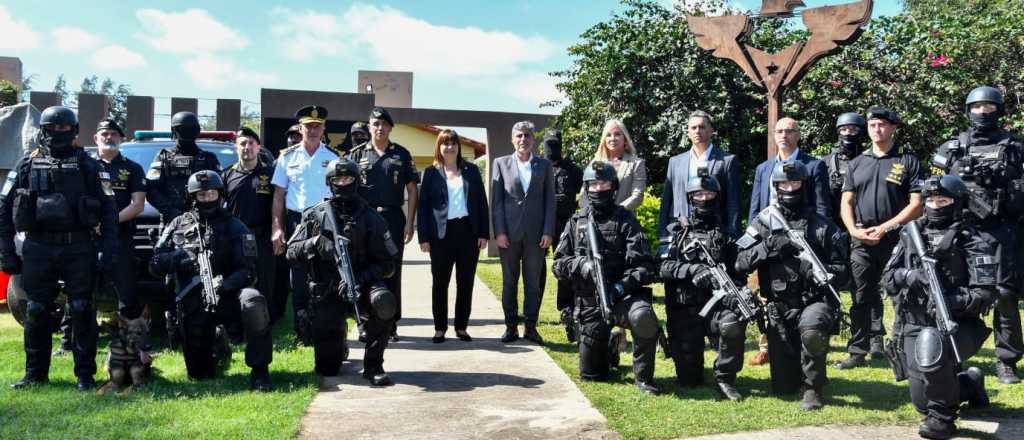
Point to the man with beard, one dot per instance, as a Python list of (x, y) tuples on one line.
[(627, 266), (58, 195)]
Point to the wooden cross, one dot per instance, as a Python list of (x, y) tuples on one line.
[(830, 28)]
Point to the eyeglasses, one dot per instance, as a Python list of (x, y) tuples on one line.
[(786, 131)]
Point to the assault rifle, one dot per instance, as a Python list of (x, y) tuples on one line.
[(772, 217), (749, 306), (947, 327), (343, 260), (604, 299), (201, 253)]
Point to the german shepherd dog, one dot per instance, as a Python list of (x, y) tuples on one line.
[(127, 363)]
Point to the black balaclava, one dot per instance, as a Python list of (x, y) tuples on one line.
[(60, 143), (553, 149), (186, 135), (704, 212), (603, 202), (940, 218), (791, 202), (985, 121), (849, 146), (209, 209)]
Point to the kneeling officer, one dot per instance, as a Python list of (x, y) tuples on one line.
[(211, 256)]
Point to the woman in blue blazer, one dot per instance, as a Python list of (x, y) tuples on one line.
[(453, 226)]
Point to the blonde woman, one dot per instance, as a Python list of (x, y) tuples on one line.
[(616, 148)]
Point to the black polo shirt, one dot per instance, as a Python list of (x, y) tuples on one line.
[(882, 185), (384, 176), (126, 177), (250, 195)]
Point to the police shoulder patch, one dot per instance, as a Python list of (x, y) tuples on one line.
[(12, 178), (108, 190)]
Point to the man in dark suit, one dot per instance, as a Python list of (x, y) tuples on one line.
[(787, 138), (523, 213), (722, 166)]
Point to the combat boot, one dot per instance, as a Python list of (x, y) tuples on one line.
[(379, 379), (811, 400), (565, 316), (221, 349), (647, 387), (1007, 373), (511, 334), (877, 350), (728, 391), (259, 379), (531, 334), (28, 381), (974, 380), (85, 383), (936, 429), (616, 342), (854, 361)]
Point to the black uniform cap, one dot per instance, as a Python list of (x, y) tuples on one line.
[(249, 133), (382, 113), (884, 113), (109, 124), (311, 114), (293, 129), (359, 126)]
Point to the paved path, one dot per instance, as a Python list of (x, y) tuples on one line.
[(1002, 428), (455, 390)]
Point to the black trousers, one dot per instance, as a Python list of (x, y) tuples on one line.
[(121, 280), (297, 275), (939, 392), (867, 264), (198, 330), (396, 226), (44, 265), (687, 332), (330, 329), (595, 333), (565, 296), (266, 272), (1006, 317), (792, 365), (282, 285), (456, 250)]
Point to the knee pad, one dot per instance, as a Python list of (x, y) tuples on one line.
[(815, 341), (383, 302), (928, 350), (80, 305), (642, 321), (732, 330), (255, 316), (36, 313)]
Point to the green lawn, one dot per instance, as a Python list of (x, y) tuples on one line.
[(171, 406), (863, 396)]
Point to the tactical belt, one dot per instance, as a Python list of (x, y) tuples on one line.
[(59, 237)]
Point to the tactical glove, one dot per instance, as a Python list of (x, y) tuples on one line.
[(10, 263)]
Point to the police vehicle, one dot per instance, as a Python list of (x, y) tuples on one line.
[(142, 149)]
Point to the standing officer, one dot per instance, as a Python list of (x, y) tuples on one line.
[(58, 195), (881, 192), (388, 172), (800, 317), (231, 250), (372, 254), (968, 272), (299, 184), (568, 182), (358, 134), (628, 267), (853, 132), (282, 272), (250, 197), (989, 161), (688, 286), (170, 170), (127, 181)]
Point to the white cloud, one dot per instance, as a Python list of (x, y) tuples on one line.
[(536, 87), (215, 73), (114, 57), (417, 46), (191, 32), (73, 40), (16, 35)]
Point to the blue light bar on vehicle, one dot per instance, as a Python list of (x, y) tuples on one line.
[(147, 135)]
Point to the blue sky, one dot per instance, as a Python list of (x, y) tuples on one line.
[(473, 55)]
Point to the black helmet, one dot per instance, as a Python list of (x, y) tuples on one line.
[(985, 94), (184, 118), (601, 171), (949, 186), (343, 167), (852, 118), (788, 172), (702, 182), (58, 115), (204, 180)]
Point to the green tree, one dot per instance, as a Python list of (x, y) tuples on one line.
[(61, 89), (117, 95), (8, 93)]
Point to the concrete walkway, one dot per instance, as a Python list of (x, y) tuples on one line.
[(455, 390), (999, 428)]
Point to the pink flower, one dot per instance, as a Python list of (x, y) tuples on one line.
[(836, 84)]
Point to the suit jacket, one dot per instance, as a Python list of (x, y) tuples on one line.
[(432, 210), (817, 195), (632, 174), (724, 168), (519, 215)]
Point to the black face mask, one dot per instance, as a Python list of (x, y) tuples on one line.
[(850, 145), (553, 151), (208, 209), (60, 143), (941, 217), (704, 212), (345, 193), (186, 137), (602, 201), (792, 202), (985, 121)]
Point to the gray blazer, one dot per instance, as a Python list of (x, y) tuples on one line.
[(522, 216), (632, 174), (723, 167)]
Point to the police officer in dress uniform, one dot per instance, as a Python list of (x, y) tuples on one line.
[(688, 285), (170, 170), (298, 185), (967, 271), (568, 182), (880, 193), (990, 161), (800, 317), (231, 249), (58, 195), (389, 176), (250, 196), (628, 267), (372, 254)]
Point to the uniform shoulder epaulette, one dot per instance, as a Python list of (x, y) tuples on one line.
[(285, 151), (337, 151)]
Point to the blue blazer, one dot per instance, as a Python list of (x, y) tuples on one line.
[(817, 195), (724, 168)]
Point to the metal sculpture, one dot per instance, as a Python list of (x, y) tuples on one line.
[(830, 27)]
